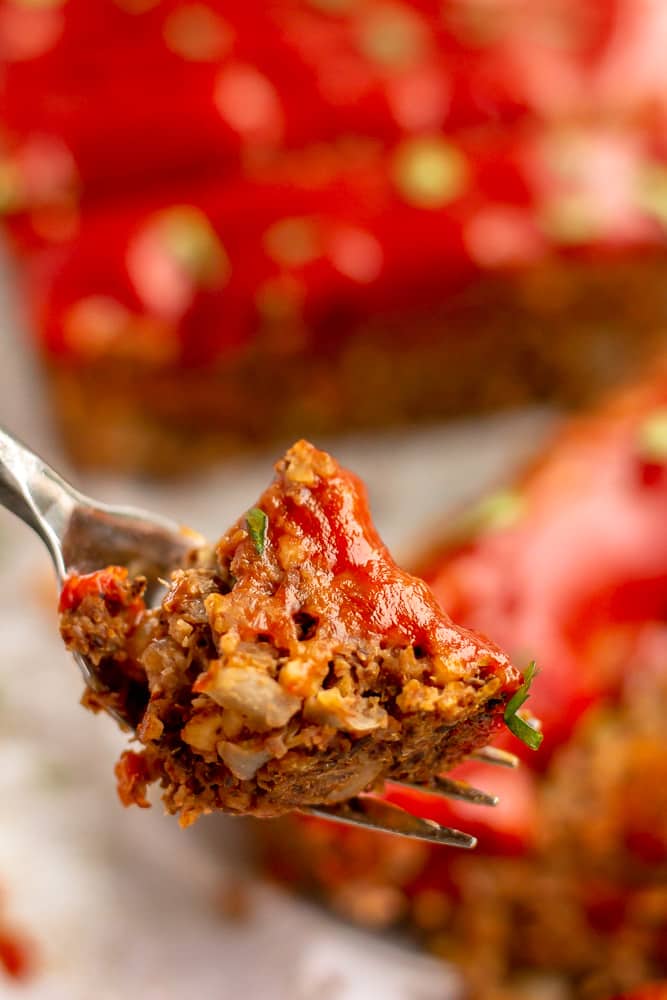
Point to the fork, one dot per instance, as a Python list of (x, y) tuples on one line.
[(83, 535)]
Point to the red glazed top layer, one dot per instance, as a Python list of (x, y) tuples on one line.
[(292, 157), (323, 556), (201, 84)]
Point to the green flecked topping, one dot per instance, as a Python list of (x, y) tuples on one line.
[(653, 437), (494, 513), (525, 732), (501, 510), (256, 522), (652, 191), (569, 219)]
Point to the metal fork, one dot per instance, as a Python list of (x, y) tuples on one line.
[(83, 535)]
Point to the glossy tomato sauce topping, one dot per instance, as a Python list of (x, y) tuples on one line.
[(322, 555)]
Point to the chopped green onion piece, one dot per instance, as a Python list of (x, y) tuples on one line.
[(525, 732), (257, 521)]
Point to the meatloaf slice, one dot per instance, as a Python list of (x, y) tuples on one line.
[(294, 665)]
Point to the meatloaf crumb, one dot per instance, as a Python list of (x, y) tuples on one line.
[(295, 665)]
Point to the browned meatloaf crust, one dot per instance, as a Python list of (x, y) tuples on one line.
[(561, 332), (295, 665)]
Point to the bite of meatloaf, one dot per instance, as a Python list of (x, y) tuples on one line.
[(293, 665)]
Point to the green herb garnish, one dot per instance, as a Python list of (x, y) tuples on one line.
[(531, 737), (257, 521)]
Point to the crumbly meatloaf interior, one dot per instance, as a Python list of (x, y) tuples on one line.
[(295, 665), (564, 331)]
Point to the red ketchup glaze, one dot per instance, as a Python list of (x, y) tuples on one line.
[(106, 583), (329, 76), (368, 590), (254, 129), (345, 576)]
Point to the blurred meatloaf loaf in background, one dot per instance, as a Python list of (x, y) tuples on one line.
[(566, 895), (237, 223)]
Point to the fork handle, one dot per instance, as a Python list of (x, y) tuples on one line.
[(33, 491)]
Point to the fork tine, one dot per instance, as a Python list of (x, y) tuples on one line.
[(374, 814), (450, 789), (494, 755)]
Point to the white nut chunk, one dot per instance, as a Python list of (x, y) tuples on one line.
[(243, 762), (357, 715), (359, 781), (256, 696), (203, 730)]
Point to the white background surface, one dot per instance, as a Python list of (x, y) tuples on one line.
[(122, 903)]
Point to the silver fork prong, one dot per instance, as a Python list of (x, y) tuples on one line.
[(97, 535), (375, 814), (82, 535), (494, 755), (449, 788)]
